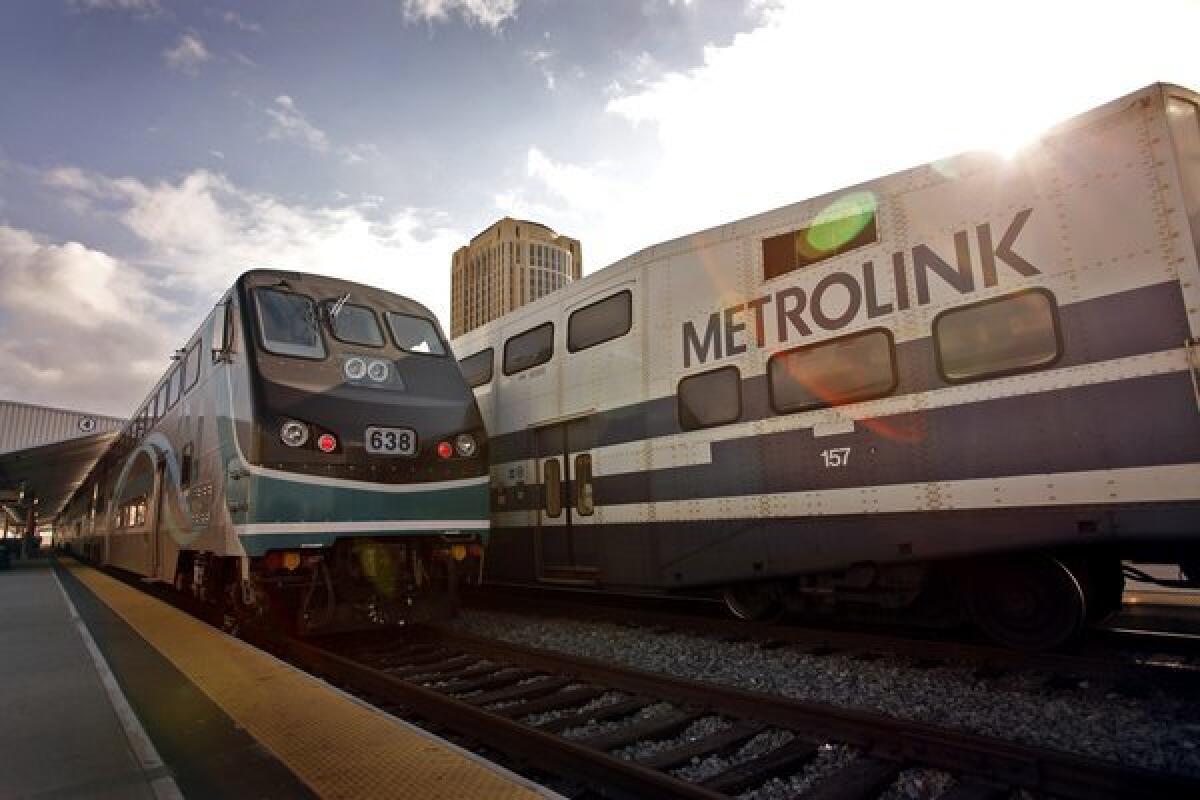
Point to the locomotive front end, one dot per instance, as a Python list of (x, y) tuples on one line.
[(357, 485)]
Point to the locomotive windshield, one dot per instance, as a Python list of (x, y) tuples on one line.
[(414, 334), (288, 323), (354, 324)]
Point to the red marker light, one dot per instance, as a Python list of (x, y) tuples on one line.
[(327, 443), (445, 449)]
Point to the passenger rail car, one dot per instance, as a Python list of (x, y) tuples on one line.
[(969, 386), (313, 450)]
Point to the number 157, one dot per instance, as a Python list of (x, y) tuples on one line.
[(836, 456)]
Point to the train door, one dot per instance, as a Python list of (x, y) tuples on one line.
[(566, 554), (157, 534)]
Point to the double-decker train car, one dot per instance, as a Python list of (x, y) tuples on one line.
[(967, 388), (313, 450)]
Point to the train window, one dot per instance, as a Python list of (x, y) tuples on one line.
[(584, 499), (848, 369), (552, 487), (415, 334), (163, 391), (287, 323), (600, 322), (529, 349), (354, 324), (1002, 336), (710, 398), (191, 365), (477, 369), (847, 224), (174, 384)]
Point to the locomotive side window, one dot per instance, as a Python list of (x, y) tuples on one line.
[(529, 349), (174, 384), (1002, 336), (354, 324), (710, 398), (848, 369), (192, 365), (600, 322), (415, 334), (477, 369), (163, 391), (287, 323)]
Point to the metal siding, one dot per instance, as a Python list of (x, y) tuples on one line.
[(23, 426)]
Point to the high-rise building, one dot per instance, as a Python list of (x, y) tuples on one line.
[(512, 263)]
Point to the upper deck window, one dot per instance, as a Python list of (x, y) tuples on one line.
[(1001, 336), (477, 369), (529, 349), (288, 323), (415, 334), (600, 322), (354, 324)]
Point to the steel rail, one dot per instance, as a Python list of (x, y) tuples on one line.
[(545, 750), (1038, 769)]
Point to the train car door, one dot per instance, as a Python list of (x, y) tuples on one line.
[(154, 550), (565, 554)]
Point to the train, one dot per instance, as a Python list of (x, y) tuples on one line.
[(311, 456), (965, 391)]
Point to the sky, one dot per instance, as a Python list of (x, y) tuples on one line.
[(152, 150)]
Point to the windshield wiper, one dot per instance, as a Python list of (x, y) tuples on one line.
[(336, 307)]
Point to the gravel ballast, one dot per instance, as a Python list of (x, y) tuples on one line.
[(1158, 732)]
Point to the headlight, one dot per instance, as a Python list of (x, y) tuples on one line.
[(464, 443), (355, 368), (378, 371), (293, 433)]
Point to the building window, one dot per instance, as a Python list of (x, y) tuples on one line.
[(529, 349), (477, 369), (710, 398), (1002, 336), (848, 369)]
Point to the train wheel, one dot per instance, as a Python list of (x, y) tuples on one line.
[(752, 601), (1030, 603)]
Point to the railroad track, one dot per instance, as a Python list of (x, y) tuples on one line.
[(1124, 660), (533, 706)]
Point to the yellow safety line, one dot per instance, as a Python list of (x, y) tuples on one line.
[(335, 745)]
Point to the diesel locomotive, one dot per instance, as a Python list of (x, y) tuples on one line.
[(312, 453)]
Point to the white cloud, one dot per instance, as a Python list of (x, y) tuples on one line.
[(491, 14), (188, 54), (236, 20), (199, 233), (290, 124), (86, 329), (143, 8), (543, 60), (78, 328), (822, 96)]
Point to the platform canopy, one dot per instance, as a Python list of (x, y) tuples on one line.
[(50, 473)]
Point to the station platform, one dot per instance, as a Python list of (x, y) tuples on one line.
[(107, 692)]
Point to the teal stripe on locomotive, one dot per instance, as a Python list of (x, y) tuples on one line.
[(274, 499)]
